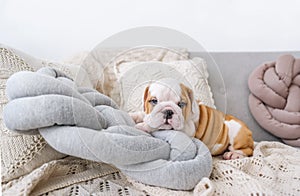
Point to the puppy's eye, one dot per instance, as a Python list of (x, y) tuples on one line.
[(153, 101), (181, 104)]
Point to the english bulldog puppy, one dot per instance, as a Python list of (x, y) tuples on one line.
[(169, 104)]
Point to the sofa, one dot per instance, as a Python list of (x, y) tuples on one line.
[(31, 166)]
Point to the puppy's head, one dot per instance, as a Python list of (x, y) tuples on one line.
[(169, 104)]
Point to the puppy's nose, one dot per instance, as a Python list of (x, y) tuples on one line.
[(168, 114)]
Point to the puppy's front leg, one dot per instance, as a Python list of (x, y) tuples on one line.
[(137, 117), (144, 127)]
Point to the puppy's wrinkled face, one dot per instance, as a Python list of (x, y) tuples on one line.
[(168, 105)]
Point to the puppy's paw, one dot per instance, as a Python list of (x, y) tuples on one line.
[(137, 117), (232, 155), (144, 127)]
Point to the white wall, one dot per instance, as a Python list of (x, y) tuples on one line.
[(55, 29)]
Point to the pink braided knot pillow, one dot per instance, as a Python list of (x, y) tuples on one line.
[(275, 98)]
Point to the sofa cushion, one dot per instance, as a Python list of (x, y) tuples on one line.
[(102, 64), (135, 76), (123, 73)]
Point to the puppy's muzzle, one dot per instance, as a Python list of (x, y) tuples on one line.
[(168, 114)]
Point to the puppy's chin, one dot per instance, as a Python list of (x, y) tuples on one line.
[(159, 123), (165, 127)]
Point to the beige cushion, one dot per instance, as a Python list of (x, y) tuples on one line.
[(116, 72), (133, 78), (101, 64)]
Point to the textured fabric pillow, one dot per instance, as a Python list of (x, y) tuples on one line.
[(112, 72), (102, 64), (20, 154), (133, 78)]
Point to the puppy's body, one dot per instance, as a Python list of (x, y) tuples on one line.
[(221, 132), (171, 105)]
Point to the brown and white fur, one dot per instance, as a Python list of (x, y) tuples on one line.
[(169, 104)]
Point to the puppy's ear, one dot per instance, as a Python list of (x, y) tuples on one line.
[(195, 106), (146, 94)]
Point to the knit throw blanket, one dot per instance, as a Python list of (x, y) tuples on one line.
[(272, 170), (85, 123), (275, 98)]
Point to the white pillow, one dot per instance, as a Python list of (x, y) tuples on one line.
[(102, 64), (133, 77)]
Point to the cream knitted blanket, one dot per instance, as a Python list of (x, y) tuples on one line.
[(274, 169)]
